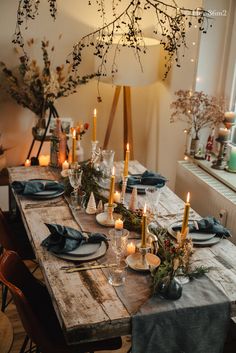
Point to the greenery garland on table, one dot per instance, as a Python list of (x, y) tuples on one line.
[(89, 183), (174, 255)]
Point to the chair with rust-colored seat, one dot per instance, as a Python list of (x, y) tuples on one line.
[(36, 311), (16, 241)]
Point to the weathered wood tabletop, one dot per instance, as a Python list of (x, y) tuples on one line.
[(87, 306)]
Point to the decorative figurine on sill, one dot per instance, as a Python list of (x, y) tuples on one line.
[(209, 147), (199, 154)]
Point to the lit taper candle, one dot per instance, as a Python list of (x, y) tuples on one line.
[(73, 145), (144, 227), (95, 124), (126, 163), (112, 187), (186, 214)]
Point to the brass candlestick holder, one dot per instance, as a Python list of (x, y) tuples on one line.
[(219, 163), (123, 190)]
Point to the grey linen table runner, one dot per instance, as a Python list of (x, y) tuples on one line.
[(196, 323)]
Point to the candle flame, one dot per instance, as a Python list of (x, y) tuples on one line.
[(74, 133), (145, 209), (113, 171), (188, 197), (127, 147), (95, 112)]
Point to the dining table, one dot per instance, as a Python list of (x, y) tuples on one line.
[(88, 307)]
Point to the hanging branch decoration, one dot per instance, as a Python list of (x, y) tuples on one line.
[(29, 10), (172, 24)]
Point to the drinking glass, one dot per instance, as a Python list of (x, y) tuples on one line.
[(106, 166), (153, 197), (75, 176), (119, 239), (77, 200)]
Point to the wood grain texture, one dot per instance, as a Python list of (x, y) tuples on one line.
[(86, 305)]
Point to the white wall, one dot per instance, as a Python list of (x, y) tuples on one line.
[(157, 143)]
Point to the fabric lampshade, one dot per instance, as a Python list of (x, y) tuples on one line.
[(132, 70)]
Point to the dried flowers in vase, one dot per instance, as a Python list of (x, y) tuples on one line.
[(198, 110), (36, 86)]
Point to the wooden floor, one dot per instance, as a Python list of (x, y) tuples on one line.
[(19, 333)]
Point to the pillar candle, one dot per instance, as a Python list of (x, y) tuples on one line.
[(117, 197), (232, 159), (27, 163), (126, 163), (112, 186), (73, 145), (95, 125), (186, 214), (44, 160), (119, 224), (65, 165), (130, 249), (144, 227)]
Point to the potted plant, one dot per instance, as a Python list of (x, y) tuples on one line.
[(198, 110)]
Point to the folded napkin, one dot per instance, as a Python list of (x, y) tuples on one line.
[(65, 239), (207, 225), (147, 178), (33, 186)]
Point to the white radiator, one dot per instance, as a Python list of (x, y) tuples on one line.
[(209, 197)]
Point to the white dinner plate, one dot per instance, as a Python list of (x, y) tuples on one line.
[(82, 258)]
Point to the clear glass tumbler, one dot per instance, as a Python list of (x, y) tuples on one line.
[(153, 197), (119, 240)]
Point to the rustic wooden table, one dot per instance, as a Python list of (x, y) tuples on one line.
[(87, 306)]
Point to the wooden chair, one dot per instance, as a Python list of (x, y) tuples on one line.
[(35, 309), (11, 241)]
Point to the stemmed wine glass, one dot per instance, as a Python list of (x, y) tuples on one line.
[(119, 239), (75, 177)]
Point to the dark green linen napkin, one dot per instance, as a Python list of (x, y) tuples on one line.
[(65, 239), (207, 225), (33, 186), (147, 178)]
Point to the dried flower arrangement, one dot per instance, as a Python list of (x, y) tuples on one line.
[(198, 110), (172, 24), (36, 87), (175, 257), (81, 130)]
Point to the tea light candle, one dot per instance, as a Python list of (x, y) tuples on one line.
[(27, 163), (119, 224), (232, 159), (65, 165), (95, 125), (186, 214), (230, 116), (130, 249), (116, 197), (223, 134), (44, 160), (112, 185), (144, 227), (126, 163)]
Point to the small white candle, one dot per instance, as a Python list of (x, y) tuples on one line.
[(130, 249), (116, 197), (65, 165), (119, 224), (230, 115), (44, 160), (27, 163)]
